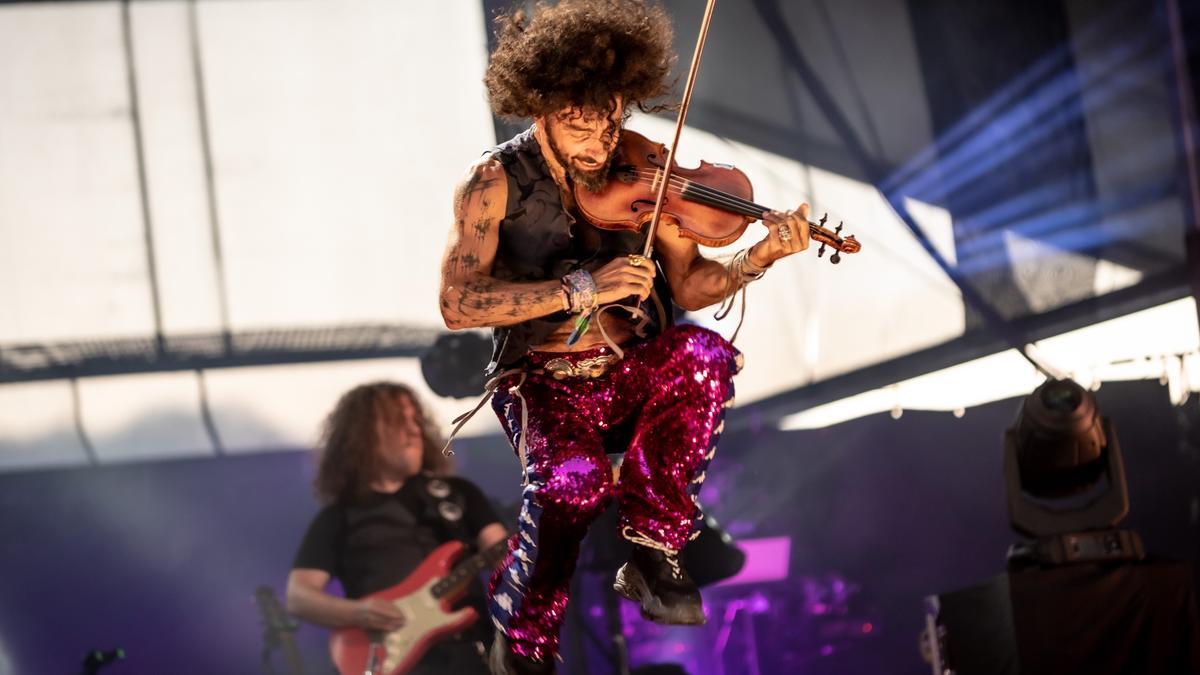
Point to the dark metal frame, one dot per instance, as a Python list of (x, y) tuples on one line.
[(91, 358)]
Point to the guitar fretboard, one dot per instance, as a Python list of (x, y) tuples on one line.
[(462, 574)]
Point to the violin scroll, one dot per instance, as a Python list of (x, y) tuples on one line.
[(840, 244)]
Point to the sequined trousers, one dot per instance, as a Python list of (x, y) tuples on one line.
[(663, 405)]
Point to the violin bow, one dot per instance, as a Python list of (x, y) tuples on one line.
[(665, 181)]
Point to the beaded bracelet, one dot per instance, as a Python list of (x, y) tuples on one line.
[(581, 289)]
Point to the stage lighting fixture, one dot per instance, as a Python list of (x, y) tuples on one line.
[(453, 366), (1080, 596), (1066, 480)]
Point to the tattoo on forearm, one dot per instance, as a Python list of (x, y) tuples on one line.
[(484, 301)]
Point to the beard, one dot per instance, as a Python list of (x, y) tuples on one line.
[(592, 180)]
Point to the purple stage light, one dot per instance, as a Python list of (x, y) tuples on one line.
[(767, 559), (759, 603)]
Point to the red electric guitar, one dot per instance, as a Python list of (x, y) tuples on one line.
[(426, 599)]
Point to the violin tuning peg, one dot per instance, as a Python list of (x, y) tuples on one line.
[(821, 222), (838, 229), (821, 251), (835, 258)]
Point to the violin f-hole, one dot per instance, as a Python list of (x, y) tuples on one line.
[(644, 203)]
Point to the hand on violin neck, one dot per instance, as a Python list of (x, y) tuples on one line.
[(787, 233)]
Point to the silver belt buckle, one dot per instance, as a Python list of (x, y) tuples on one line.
[(591, 368), (560, 369)]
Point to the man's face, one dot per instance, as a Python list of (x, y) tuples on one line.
[(584, 141), (400, 443)]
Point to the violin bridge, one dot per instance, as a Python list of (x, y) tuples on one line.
[(655, 181)]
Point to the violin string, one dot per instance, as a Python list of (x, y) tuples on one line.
[(681, 185), (650, 177)]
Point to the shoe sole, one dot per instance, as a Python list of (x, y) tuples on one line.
[(632, 586)]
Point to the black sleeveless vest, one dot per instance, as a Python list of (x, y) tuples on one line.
[(540, 240)]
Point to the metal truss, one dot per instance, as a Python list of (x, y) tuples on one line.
[(89, 358)]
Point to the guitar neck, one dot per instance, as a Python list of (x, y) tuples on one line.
[(467, 570)]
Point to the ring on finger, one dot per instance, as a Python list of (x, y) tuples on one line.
[(637, 260), (785, 233)]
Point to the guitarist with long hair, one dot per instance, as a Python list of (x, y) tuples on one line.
[(390, 501)]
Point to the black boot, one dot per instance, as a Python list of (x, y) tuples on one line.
[(656, 580), (501, 661)]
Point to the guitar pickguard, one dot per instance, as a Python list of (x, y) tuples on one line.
[(422, 614)]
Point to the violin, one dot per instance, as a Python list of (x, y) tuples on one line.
[(711, 204)]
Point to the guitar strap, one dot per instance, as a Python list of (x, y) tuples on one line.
[(444, 508)]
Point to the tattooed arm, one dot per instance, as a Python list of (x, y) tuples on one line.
[(470, 297)]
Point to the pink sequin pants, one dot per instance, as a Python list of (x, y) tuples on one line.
[(663, 405)]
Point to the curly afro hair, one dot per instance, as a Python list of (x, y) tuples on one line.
[(580, 53)]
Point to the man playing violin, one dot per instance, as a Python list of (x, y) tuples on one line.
[(573, 381)]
